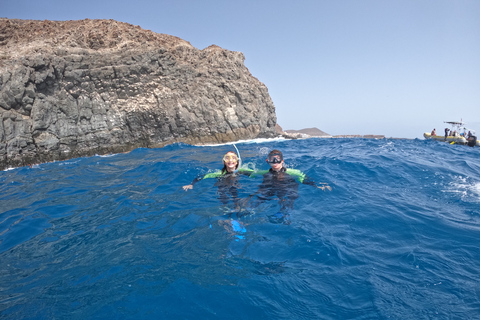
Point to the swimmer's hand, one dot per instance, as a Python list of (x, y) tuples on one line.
[(188, 187), (325, 186)]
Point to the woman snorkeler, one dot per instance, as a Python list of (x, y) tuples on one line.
[(227, 178), (227, 183)]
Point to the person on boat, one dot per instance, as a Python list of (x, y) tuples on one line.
[(434, 133), (446, 133), (227, 178), (281, 182)]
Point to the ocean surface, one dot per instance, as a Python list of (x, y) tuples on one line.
[(116, 237)]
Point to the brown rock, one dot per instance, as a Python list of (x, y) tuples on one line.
[(76, 88)]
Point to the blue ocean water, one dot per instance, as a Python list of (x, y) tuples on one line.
[(117, 237)]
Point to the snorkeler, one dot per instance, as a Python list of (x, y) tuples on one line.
[(227, 183), (282, 182), (227, 178)]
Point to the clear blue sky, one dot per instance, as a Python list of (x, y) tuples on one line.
[(392, 67)]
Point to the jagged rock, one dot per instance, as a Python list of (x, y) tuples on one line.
[(76, 88)]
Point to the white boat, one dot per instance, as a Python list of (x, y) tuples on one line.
[(458, 134)]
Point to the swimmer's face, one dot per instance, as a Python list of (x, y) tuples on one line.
[(276, 166), (275, 161), (230, 160)]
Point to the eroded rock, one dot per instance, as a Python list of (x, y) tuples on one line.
[(78, 88)]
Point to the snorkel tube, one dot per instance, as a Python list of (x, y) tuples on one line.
[(239, 158)]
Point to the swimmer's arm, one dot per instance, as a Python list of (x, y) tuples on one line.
[(252, 173), (319, 185), (190, 186), (258, 173), (215, 174), (206, 176), (323, 185), (303, 178), (246, 172)]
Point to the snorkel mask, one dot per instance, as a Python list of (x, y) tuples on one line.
[(229, 157), (275, 158)]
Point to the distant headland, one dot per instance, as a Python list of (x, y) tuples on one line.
[(317, 133)]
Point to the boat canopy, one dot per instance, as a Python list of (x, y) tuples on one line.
[(459, 125), (455, 123)]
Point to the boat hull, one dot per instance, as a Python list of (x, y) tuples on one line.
[(449, 139)]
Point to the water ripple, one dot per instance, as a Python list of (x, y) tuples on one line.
[(117, 237)]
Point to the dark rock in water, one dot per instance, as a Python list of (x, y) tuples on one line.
[(77, 88)]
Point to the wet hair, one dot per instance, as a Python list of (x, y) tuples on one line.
[(275, 153), (224, 169)]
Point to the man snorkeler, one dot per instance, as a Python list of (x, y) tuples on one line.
[(281, 182)]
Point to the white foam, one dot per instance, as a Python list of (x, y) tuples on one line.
[(259, 140), (476, 188), (106, 155), (468, 191)]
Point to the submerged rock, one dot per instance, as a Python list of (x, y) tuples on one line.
[(78, 88)]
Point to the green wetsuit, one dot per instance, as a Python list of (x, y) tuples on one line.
[(220, 174)]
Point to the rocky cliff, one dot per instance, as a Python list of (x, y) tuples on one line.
[(76, 88)]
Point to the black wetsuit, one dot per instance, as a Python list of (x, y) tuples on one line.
[(283, 185), (227, 183)]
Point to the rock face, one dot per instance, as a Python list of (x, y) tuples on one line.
[(76, 88)]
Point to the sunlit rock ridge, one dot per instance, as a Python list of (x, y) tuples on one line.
[(78, 88)]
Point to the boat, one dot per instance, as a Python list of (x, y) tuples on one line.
[(458, 134)]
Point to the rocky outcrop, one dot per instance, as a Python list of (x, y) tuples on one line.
[(76, 88)]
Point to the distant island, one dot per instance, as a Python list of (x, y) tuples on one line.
[(317, 133)]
